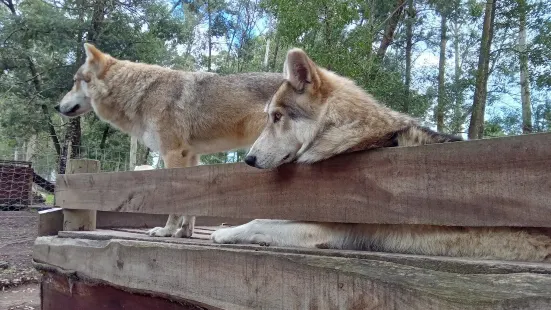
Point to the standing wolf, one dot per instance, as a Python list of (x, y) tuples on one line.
[(316, 114), (179, 114)]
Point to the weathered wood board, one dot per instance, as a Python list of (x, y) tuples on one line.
[(494, 182), (61, 292), (232, 278), (80, 219)]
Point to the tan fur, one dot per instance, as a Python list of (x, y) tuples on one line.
[(316, 114), (334, 116), (179, 114)]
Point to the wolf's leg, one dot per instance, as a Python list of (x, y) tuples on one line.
[(177, 225), (185, 230), (281, 233), (172, 224)]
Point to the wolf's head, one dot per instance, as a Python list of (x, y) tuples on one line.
[(295, 113), (78, 100)]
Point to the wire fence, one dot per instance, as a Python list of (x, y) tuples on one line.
[(28, 169)]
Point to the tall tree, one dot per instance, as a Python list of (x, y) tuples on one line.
[(390, 28), (456, 125), (524, 75), (442, 72), (36, 79), (476, 125), (409, 47)]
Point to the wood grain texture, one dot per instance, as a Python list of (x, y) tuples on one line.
[(60, 292), (50, 222), (80, 219), (229, 278), (494, 182), (458, 265)]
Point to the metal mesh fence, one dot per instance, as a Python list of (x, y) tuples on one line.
[(15, 185), (28, 169)]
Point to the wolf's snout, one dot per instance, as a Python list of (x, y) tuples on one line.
[(56, 108), (250, 160)]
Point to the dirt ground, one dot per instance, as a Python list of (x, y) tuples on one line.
[(18, 279)]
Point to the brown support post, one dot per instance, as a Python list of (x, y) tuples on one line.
[(80, 219)]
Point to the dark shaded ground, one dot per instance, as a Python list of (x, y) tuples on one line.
[(18, 279)]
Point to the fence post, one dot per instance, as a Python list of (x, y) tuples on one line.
[(80, 219), (133, 153)]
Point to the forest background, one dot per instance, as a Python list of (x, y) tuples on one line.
[(475, 68)]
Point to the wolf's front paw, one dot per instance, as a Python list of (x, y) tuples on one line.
[(224, 236), (240, 235), (162, 231)]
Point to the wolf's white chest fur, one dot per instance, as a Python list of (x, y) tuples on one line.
[(151, 139)]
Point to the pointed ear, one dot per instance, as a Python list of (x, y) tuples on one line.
[(299, 70), (96, 60), (92, 53)]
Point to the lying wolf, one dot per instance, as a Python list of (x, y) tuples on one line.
[(316, 114), (179, 114)]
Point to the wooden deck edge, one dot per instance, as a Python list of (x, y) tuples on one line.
[(230, 278), (437, 263)]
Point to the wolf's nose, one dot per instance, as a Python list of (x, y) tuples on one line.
[(250, 160), (56, 108)]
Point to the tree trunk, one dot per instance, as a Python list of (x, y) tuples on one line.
[(98, 16), (476, 126), (524, 77), (38, 87), (457, 122), (266, 55), (10, 5), (104, 136), (441, 75), (409, 48), (327, 34), (145, 158), (276, 50), (209, 67), (390, 29)]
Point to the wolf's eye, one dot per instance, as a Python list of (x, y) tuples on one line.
[(276, 116)]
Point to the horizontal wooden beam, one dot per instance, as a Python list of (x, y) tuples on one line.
[(230, 278), (494, 182)]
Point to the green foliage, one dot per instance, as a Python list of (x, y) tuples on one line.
[(41, 47)]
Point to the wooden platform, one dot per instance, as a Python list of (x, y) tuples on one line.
[(507, 185), (196, 273)]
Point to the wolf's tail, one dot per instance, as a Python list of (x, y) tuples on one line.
[(418, 135)]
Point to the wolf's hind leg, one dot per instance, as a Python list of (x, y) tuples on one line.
[(185, 230), (177, 225), (171, 227)]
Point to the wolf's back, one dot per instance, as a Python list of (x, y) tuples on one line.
[(419, 135)]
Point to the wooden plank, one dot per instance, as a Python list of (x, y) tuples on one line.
[(80, 219), (438, 263), (63, 292), (494, 182), (50, 222), (246, 279), (133, 153)]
